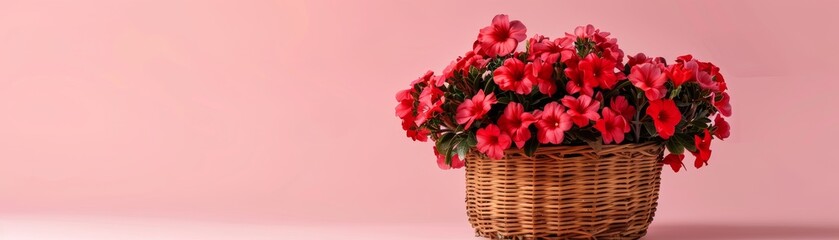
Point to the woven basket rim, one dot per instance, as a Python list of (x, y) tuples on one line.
[(586, 147)]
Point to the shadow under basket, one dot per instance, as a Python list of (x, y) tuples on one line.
[(565, 192)]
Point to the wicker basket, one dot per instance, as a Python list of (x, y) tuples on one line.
[(565, 192)]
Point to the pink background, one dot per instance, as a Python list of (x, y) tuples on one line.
[(235, 115)]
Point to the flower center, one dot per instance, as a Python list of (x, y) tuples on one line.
[(493, 140), (501, 34), (662, 116)]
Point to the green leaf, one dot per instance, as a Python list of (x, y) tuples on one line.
[(463, 149), (503, 100), (675, 92), (455, 141), (674, 146), (444, 142), (617, 88), (686, 142), (650, 127), (530, 146), (700, 125), (471, 139)]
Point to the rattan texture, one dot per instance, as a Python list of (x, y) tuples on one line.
[(565, 192)]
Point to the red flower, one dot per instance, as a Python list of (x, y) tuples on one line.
[(542, 75), (665, 116), (621, 105), (544, 49), (581, 109), (552, 124), (475, 108), (714, 71), (569, 51), (684, 58), (679, 74), (441, 161), (576, 80), (511, 77), (413, 131), (427, 78), (723, 105), (648, 77), (710, 68), (470, 59), (462, 65), (675, 161), (492, 141), (476, 47), (406, 103), (599, 71), (723, 130), (612, 126), (515, 122), (720, 82), (430, 101), (638, 59), (703, 149), (502, 37)]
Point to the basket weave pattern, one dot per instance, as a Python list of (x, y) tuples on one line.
[(565, 192)]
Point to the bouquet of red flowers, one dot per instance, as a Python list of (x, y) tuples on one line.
[(567, 91)]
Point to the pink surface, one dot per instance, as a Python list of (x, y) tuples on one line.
[(282, 111)]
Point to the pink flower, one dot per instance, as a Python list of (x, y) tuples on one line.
[(511, 77), (515, 122), (576, 80), (599, 71), (406, 103), (675, 161), (612, 126), (649, 78), (581, 109), (552, 124), (723, 130), (441, 161), (621, 105), (706, 81), (608, 46), (587, 31), (541, 74), (723, 105), (703, 149), (492, 141), (502, 37), (475, 108), (665, 116), (430, 102)]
